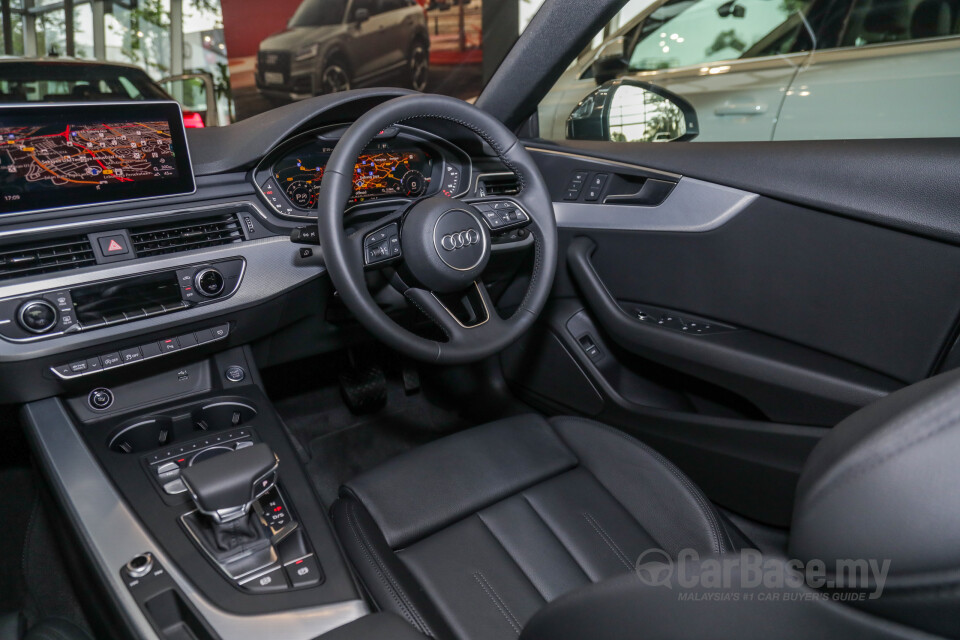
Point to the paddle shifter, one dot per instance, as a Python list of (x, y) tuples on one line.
[(224, 489)]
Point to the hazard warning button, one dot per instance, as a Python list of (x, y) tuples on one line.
[(113, 245)]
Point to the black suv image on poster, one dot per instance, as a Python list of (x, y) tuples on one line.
[(336, 45)]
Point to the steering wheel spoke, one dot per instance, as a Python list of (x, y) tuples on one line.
[(464, 316)]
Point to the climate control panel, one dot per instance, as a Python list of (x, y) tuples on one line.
[(47, 314)]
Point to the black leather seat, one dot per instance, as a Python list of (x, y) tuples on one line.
[(469, 536), (531, 527)]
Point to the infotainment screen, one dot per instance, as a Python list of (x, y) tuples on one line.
[(66, 155)]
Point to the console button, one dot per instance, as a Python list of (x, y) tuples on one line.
[(100, 399), (76, 368), (93, 365), (111, 360), (235, 374), (304, 572), (64, 370), (170, 344), (187, 340), (209, 282), (271, 581), (150, 350), (113, 245), (38, 316), (220, 331), (204, 335), (174, 487), (130, 355)]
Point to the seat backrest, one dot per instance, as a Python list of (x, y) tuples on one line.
[(883, 486)]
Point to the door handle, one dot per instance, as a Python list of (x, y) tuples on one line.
[(740, 109)]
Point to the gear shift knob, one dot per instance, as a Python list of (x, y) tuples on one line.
[(225, 487)]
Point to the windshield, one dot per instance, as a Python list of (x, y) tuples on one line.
[(709, 30), (60, 82), (318, 13)]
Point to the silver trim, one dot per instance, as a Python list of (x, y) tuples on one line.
[(614, 163), (693, 206), (62, 105), (112, 535)]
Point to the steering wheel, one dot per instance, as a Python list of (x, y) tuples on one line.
[(439, 246)]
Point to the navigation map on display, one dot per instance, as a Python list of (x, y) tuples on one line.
[(85, 154)]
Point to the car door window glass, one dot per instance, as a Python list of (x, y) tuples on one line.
[(318, 13), (711, 31), (880, 21)]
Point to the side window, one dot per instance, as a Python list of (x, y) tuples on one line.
[(370, 5), (879, 21), (713, 30)]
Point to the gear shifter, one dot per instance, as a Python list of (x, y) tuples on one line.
[(224, 489)]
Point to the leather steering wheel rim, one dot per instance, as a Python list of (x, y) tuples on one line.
[(344, 258)]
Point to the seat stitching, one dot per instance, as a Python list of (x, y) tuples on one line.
[(559, 539), (610, 542), (498, 602), (510, 555), (706, 511), (409, 612), (632, 516)]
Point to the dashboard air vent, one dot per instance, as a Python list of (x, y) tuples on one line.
[(173, 237), (498, 185), (56, 254)]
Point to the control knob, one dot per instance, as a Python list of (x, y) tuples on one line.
[(209, 282), (37, 316)]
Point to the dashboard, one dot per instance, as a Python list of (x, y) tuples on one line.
[(401, 163), (189, 250)]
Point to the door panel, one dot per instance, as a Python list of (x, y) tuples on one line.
[(822, 290)]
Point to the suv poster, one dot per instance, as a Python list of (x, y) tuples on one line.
[(303, 48)]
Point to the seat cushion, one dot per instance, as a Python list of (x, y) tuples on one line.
[(469, 536)]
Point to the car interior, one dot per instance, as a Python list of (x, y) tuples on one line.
[(474, 384)]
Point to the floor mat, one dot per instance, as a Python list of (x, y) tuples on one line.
[(342, 445)]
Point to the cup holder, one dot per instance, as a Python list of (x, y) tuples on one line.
[(149, 433), (222, 415), (143, 435)]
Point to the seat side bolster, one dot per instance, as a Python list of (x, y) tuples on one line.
[(386, 578), (672, 509)]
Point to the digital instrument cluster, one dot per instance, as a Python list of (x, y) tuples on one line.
[(395, 165)]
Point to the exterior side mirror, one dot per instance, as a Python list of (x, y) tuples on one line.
[(361, 15), (629, 110)]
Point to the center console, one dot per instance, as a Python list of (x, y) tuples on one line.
[(192, 501)]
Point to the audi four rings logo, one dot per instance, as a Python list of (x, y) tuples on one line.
[(460, 239)]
